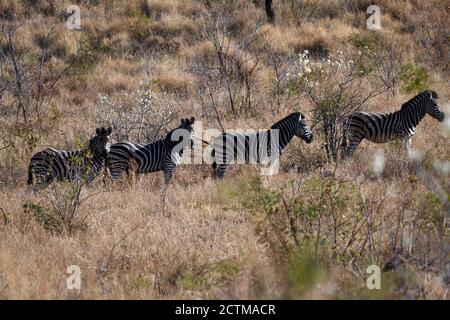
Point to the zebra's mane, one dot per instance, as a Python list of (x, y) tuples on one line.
[(424, 94), (168, 136), (292, 116)]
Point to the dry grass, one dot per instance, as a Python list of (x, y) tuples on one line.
[(206, 241)]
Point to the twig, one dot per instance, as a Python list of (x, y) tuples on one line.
[(5, 217)]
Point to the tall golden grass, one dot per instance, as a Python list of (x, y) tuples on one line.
[(203, 240)]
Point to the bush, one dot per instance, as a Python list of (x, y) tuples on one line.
[(337, 86), (323, 225), (139, 117), (58, 210), (319, 211), (414, 78)]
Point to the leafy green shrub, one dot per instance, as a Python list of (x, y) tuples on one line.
[(323, 225), (321, 212), (414, 78), (304, 271), (58, 210)]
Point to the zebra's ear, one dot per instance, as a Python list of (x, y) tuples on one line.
[(109, 131), (192, 120), (433, 95), (97, 131), (183, 121)]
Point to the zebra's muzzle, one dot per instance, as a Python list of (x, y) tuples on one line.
[(308, 138)]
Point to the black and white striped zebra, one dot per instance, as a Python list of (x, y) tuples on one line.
[(51, 164), (135, 158), (384, 127), (252, 148)]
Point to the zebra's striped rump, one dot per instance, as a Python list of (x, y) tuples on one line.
[(51, 164)]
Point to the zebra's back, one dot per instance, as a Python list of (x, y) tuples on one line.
[(374, 126), (249, 148), (50, 164), (143, 158)]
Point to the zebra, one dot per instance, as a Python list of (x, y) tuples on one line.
[(164, 154), (288, 127), (384, 127), (51, 164)]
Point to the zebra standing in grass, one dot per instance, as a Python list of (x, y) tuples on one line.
[(50, 164), (251, 147), (136, 158), (384, 127)]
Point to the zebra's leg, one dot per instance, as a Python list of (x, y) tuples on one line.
[(218, 169), (131, 176), (354, 142), (131, 171), (43, 182), (38, 181), (139, 180), (106, 175), (221, 170), (168, 173), (214, 169), (168, 170), (213, 163), (407, 145), (43, 177), (30, 174)]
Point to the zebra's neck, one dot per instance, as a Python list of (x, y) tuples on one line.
[(286, 129), (168, 140), (413, 112), (171, 144)]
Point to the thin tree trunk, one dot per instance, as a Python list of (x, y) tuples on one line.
[(269, 11)]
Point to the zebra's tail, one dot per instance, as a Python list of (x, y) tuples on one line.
[(30, 176), (203, 141), (344, 137)]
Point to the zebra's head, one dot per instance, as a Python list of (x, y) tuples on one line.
[(179, 134), (99, 145), (302, 131), (432, 107)]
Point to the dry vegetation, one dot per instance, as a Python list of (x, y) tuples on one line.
[(308, 232)]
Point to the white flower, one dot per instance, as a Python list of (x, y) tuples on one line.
[(378, 162), (443, 167)]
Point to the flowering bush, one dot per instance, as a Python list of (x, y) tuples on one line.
[(337, 86), (139, 117)]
